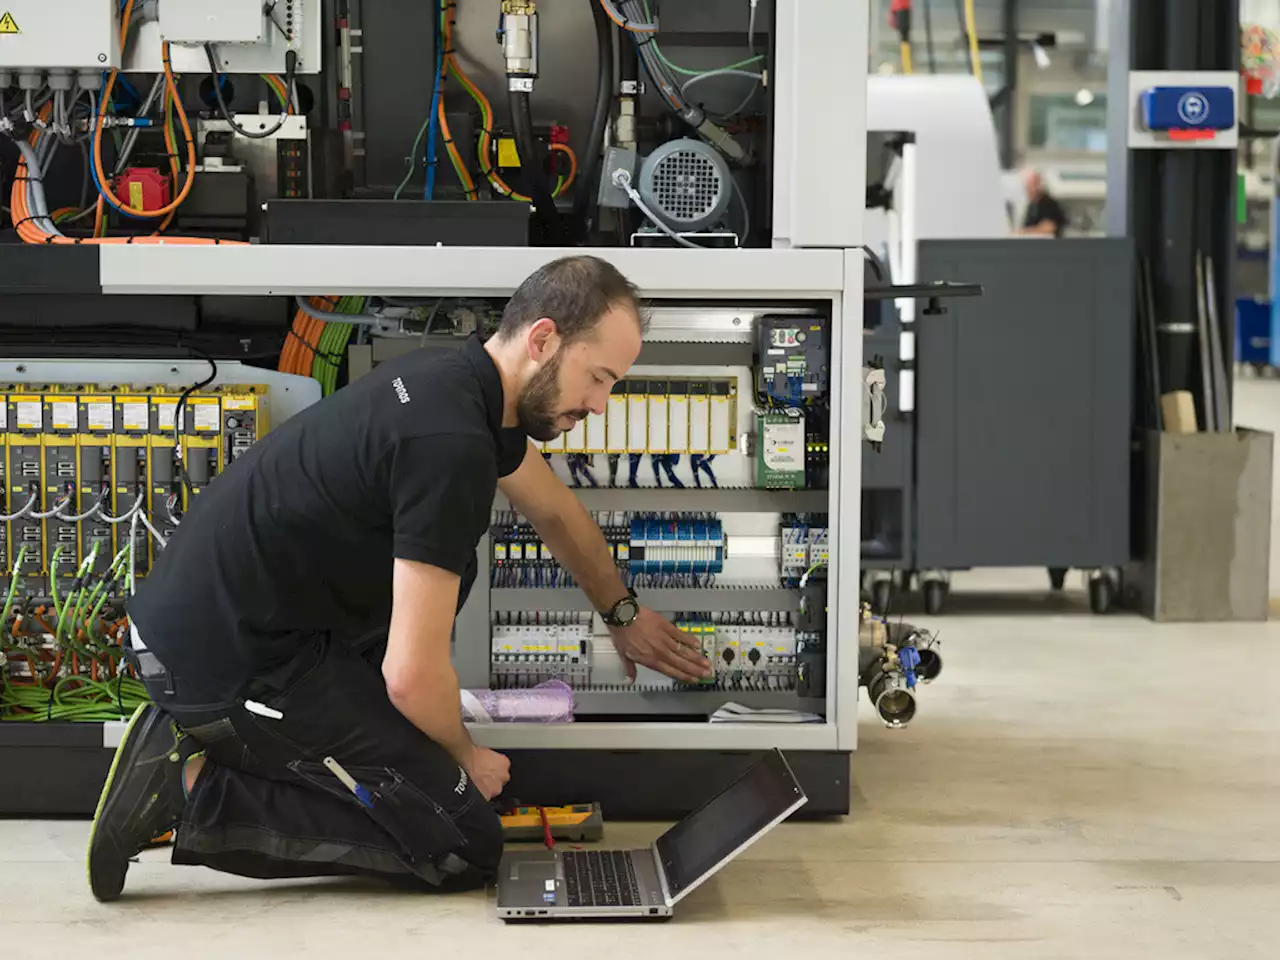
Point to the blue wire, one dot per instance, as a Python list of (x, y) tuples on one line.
[(133, 91), (433, 122)]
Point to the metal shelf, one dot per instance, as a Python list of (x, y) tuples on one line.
[(721, 500), (685, 702), (666, 600)]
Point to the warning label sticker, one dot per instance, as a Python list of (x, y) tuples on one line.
[(8, 24)]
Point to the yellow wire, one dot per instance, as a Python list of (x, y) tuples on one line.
[(906, 56), (971, 27)]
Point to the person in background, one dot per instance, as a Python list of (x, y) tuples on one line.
[(1045, 216)]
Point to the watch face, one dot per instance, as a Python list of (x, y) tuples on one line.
[(626, 611)]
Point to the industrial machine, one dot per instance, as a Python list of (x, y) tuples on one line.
[(309, 187)]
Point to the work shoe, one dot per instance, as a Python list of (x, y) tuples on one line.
[(142, 798)]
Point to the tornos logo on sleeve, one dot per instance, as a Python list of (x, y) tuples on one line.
[(401, 391)]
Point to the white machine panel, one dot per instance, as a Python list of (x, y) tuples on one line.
[(62, 34), (198, 21), (955, 143), (301, 18)]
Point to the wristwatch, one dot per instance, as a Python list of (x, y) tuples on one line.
[(624, 612)]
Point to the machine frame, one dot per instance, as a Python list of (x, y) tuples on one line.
[(821, 50)]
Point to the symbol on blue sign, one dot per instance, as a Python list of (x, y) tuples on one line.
[(1193, 108)]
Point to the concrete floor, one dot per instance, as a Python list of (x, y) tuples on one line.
[(1073, 786)]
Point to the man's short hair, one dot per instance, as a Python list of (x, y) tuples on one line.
[(575, 292)]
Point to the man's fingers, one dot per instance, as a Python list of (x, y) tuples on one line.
[(689, 648), (675, 665), (666, 661), (682, 638)]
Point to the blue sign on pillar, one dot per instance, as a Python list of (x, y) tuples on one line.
[(1174, 109)]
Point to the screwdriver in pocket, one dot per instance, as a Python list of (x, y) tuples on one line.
[(349, 782)]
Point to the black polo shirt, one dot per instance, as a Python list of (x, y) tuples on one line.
[(1046, 207), (298, 536)]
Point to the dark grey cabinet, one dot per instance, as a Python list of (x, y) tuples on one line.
[(1022, 425)]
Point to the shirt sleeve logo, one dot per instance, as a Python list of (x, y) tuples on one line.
[(401, 391)]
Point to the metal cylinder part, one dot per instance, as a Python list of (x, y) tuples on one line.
[(893, 700), (930, 664), (519, 47)]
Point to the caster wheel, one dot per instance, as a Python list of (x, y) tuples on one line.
[(881, 597), (1057, 577), (935, 596), (1102, 594)]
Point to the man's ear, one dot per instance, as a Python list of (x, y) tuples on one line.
[(543, 340)]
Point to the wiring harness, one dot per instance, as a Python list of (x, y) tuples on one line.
[(65, 660), (449, 66), (634, 17), (51, 117)]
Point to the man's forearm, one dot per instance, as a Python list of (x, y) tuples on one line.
[(432, 703), (577, 543)]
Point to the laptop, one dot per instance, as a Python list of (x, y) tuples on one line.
[(541, 885)]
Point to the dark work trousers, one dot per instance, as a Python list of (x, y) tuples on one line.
[(266, 806)]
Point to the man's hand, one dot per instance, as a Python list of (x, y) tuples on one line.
[(654, 642), (489, 771)]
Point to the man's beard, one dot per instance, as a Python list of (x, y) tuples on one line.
[(536, 408)]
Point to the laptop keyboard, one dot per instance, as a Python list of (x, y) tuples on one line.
[(600, 878)]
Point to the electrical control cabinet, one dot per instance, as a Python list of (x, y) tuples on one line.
[(42, 35), (713, 509)]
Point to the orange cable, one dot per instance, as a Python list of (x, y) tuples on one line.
[(573, 164)]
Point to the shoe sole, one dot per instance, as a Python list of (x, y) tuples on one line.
[(122, 751)]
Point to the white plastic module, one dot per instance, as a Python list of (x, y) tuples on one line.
[(616, 415), (637, 421), (721, 437), (575, 441), (596, 433), (292, 25), (678, 420), (200, 22), (39, 35), (659, 424), (699, 423)]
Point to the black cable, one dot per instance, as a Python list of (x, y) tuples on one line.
[(177, 418), (928, 35), (290, 73), (586, 187), (533, 163)]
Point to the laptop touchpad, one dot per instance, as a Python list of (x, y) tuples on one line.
[(533, 870)]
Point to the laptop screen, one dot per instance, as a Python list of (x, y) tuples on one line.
[(703, 841)]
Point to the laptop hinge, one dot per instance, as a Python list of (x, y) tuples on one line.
[(662, 875)]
